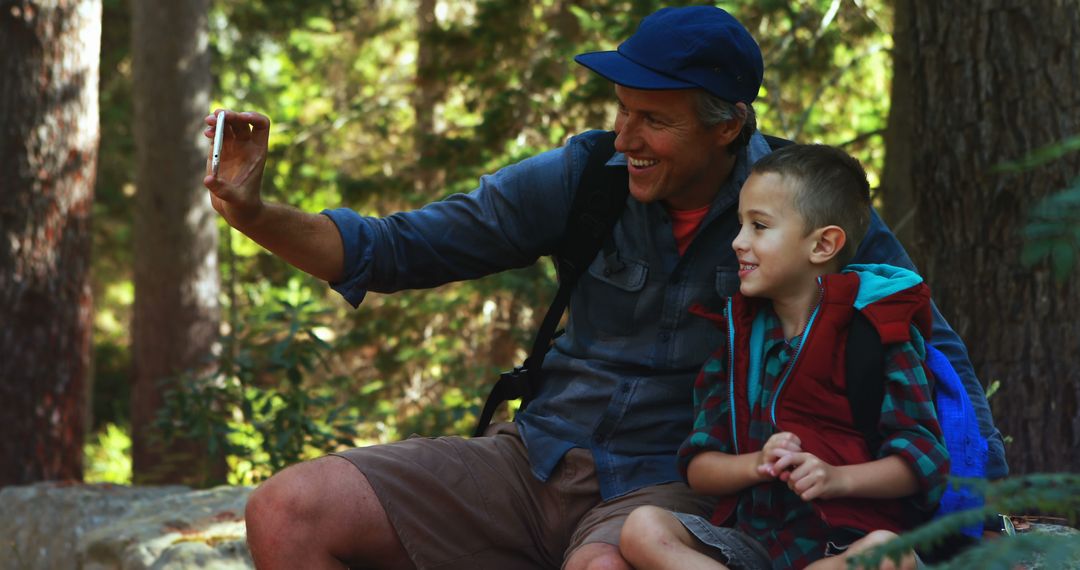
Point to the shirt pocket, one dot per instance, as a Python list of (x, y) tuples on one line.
[(615, 292)]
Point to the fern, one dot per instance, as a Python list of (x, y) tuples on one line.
[(1045, 493)]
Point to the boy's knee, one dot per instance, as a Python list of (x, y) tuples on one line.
[(645, 530), (643, 523), (877, 538)]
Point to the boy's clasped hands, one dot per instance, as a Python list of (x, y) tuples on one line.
[(806, 475)]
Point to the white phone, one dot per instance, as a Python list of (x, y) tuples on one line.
[(219, 136)]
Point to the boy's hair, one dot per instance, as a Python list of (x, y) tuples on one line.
[(829, 188)]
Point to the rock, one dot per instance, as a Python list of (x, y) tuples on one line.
[(41, 524), (100, 527), (197, 529)]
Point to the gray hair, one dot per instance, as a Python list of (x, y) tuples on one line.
[(712, 111)]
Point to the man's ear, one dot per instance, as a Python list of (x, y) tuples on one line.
[(829, 242), (727, 131)]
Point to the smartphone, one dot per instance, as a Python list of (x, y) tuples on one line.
[(219, 135)]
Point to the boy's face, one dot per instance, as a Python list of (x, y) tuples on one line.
[(772, 246)]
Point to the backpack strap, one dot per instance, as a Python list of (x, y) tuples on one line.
[(864, 374), (598, 203), (776, 143)]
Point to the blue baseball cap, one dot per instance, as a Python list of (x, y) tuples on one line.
[(685, 48)]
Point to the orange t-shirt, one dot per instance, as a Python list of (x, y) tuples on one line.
[(684, 224)]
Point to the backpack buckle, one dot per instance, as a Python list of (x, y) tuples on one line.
[(516, 384)]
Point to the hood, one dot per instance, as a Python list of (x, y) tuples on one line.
[(877, 281)]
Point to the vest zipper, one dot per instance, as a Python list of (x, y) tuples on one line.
[(731, 373), (798, 352)]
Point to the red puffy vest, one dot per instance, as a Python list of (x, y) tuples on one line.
[(812, 401)]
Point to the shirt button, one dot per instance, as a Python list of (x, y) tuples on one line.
[(665, 336)]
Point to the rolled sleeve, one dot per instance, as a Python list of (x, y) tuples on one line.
[(512, 218), (909, 423), (356, 235)]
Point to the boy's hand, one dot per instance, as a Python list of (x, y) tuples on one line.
[(811, 478), (778, 446)]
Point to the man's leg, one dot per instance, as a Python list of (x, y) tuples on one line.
[(597, 556), (320, 514)]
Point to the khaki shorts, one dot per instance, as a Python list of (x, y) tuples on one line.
[(474, 503)]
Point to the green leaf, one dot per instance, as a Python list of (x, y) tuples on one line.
[(1041, 156), (1064, 255), (1036, 251)]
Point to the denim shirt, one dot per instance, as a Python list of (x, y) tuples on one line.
[(619, 381)]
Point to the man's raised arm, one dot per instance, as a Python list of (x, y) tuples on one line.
[(310, 242)]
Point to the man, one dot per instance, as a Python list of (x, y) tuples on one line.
[(554, 487)]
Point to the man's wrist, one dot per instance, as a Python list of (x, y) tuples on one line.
[(245, 218)]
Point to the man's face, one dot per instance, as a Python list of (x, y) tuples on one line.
[(671, 156)]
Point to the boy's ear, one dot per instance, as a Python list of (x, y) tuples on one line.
[(828, 244)]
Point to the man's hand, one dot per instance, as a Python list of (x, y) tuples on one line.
[(811, 478), (234, 192), (779, 445)]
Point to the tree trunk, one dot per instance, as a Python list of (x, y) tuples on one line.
[(897, 193), (425, 95), (993, 80), (176, 313), (49, 54)]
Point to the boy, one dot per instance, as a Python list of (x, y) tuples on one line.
[(773, 433)]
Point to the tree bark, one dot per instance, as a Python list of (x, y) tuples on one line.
[(425, 96), (49, 53), (176, 313), (993, 80), (898, 195)]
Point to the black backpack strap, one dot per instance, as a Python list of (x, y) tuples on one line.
[(776, 143), (598, 203), (865, 378)]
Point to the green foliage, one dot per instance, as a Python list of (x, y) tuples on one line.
[(1040, 156), (1046, 493), (108, 456), (256, 406), (827, 72), (1052, 233)]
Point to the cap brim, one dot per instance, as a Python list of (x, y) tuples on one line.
[(617, 68)]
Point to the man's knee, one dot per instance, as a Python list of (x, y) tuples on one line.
[(597, 556), (306, 492), (285, 496)]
